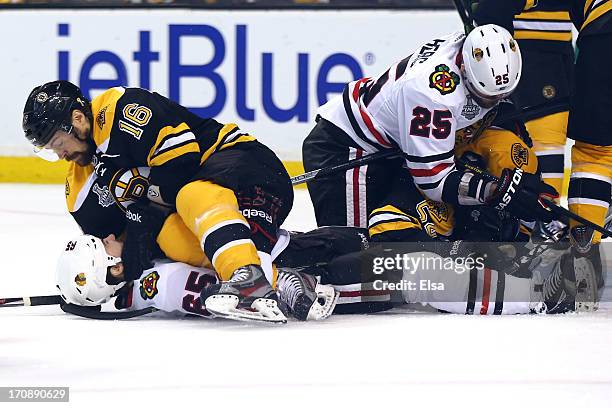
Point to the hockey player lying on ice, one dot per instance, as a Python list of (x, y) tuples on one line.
[(90, 273)]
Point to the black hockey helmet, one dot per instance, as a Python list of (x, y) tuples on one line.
[(49, 108)]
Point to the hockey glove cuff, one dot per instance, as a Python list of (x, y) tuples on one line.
[(523, 194)]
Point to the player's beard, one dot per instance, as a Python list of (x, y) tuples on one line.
[(83, 158)]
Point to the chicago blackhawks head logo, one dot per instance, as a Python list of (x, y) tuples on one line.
[(148, 285), (80, 279), (443, 79)]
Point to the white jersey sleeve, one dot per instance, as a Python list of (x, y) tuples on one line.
[(173, 287)]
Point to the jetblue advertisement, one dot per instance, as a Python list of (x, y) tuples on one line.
[(267, 71)]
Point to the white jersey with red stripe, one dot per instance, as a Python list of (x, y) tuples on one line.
[(172, 287), (416, 105)]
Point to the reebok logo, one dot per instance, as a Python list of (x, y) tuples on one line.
[(249, 212), (133, 216)]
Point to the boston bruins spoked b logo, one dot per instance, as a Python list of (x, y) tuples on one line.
[(443, 79), (520, 155)]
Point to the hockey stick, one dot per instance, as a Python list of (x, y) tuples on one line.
[(31, 301), (94, 313), (82, 311), (326, 171), (555, 208), (465, 13)]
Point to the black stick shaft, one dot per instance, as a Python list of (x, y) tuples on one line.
[(465, 15), (326, 171)]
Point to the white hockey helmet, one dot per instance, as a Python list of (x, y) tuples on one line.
[(82, 270), (492, 61)]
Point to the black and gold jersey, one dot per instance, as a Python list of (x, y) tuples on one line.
[(98, 206), (549, 22), (134, 127), (91, 204), (546, 28), (592, 16)]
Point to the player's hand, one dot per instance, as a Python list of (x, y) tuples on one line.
[(523, 195)]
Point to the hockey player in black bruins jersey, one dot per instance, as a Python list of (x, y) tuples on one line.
[(545, 36), (590, 187), (231, 191)]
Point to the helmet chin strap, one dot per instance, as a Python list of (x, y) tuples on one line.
[(484, 101), (111, 262)]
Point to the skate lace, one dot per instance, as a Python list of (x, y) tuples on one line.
[(240, 276), (554, 230), (290, 287)]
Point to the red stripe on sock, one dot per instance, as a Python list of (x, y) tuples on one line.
[(486, 289)]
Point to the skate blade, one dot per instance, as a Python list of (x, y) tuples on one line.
[(329, 296), (262, 310)]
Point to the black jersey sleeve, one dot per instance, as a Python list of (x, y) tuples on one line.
[(500, 12), (92, 204)]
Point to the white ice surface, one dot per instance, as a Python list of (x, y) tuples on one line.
[(403, 358)]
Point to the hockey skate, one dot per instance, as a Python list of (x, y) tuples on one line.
[(571, 286), (246, 296), (551, 232), (305, 298)]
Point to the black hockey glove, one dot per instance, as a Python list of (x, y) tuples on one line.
[(143, 223), (522, 194)]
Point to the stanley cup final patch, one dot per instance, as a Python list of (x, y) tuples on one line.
[(105, 198), (520, 155), (443, 79), (470, 110)]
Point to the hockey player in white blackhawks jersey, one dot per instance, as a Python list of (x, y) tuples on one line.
[(90, 273), (417, 105)]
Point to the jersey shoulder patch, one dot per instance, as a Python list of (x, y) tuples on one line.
[(443, 79), (103, 108), (78, 179), (148, 285)]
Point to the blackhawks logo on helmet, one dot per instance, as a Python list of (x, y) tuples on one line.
[(148, 285), (443, 79), (520, 155), (80, 279)]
